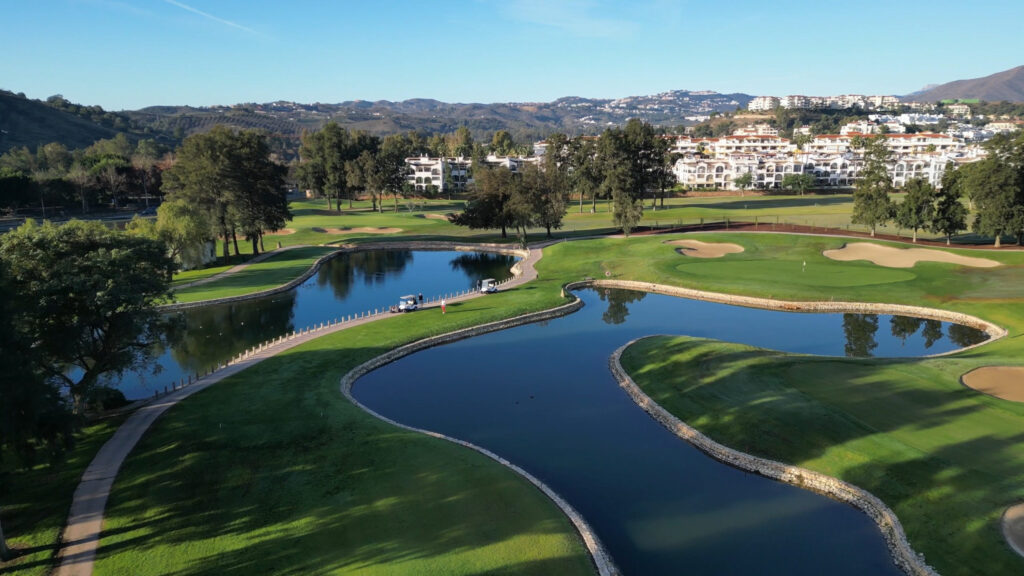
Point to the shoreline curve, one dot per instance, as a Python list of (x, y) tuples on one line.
[(902, 554)]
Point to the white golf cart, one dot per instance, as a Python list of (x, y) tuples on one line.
[(488, 286), (407, 303)]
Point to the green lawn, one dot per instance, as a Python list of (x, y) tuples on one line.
[(270, 273), (35, 502), (273, 471)]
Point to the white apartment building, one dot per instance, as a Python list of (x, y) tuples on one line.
[(764, 103), (898, 143), (425, 172), (962, 110)]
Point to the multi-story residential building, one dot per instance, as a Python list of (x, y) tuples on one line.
[(764, 103), (961, 110), (1004, 126), (795, 101), (898, 143), (426, 172)]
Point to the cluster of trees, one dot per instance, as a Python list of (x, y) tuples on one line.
[(221, 184), (110, 172), (994, 186), (626, 164), (76, 302)]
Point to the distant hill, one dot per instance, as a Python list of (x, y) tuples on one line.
[(32, 122), (25, 122), (1007, 85)]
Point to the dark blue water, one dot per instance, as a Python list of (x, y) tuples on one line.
[(199, 338), (543, 397)]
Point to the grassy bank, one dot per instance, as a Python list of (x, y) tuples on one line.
[(274, 471), (270, 273), (35, 502)]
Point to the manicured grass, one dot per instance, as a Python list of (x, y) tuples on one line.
[(273, 471), (270, 273), (35, 502)]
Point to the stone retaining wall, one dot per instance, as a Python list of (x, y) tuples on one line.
[(345, 249), (602, 560), (995, 332), (902, 554)]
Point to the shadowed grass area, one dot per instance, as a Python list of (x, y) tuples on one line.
[(35, 502), (273, 471)]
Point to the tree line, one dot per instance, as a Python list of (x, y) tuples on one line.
[(993, 187)]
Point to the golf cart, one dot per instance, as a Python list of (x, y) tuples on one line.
[(407, 303), (488, 286)]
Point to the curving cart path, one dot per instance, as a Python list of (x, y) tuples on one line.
[(81, 534)]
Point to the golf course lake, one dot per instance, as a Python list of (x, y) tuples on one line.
[(350, 283), (542, 396)]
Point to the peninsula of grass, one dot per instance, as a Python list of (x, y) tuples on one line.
[(274, 471), (275, 271)]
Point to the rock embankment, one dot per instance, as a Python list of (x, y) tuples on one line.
[(902, 554), (602, 560), (995, 332)]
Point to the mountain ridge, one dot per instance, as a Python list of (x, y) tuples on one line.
[(1007, 85)]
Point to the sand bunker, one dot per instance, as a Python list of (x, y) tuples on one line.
[(364, 230), (1013, 527), (435, 216), (699, 249), (281, 232), (902, 257), (1006, 382)]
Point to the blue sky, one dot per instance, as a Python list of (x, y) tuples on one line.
[(126, 54)]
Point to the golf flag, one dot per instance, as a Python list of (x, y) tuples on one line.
[(442, 306)]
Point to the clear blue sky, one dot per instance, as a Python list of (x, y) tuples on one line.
[(126, 54)]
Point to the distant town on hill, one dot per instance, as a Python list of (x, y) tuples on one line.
[(31, 123)]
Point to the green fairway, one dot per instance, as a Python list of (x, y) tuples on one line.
[(274, 471)]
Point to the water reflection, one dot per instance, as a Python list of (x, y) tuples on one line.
[(617, 300), (480, 265), (860, 330), (372, 267)]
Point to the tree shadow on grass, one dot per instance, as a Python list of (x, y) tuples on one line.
[(273, 471)]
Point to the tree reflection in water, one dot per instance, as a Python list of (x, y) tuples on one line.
[(860, 330), (904, 327), (617, 300), (210, 334), (373, 266), (932, 332), (479, 265)]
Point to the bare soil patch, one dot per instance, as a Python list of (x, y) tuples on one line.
[(699, 249), (363, 230), (281, 232), (903, 257), (1006, 382)]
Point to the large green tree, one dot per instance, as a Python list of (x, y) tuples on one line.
[(84, 295), (229, 177), (950, 214), (996, 185), (871, 204), (917, 210), (489, 196), (800, 183)]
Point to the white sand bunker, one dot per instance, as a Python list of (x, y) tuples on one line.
[(281, 232), (363, 230), (902, 257), (435, 216), (699, 249), (1013, 527), (1006, 382)]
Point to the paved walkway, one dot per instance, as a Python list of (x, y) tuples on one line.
[(239, 267), (85, 520)]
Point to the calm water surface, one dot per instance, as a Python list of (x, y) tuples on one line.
[(543, 397), (348, 284)]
